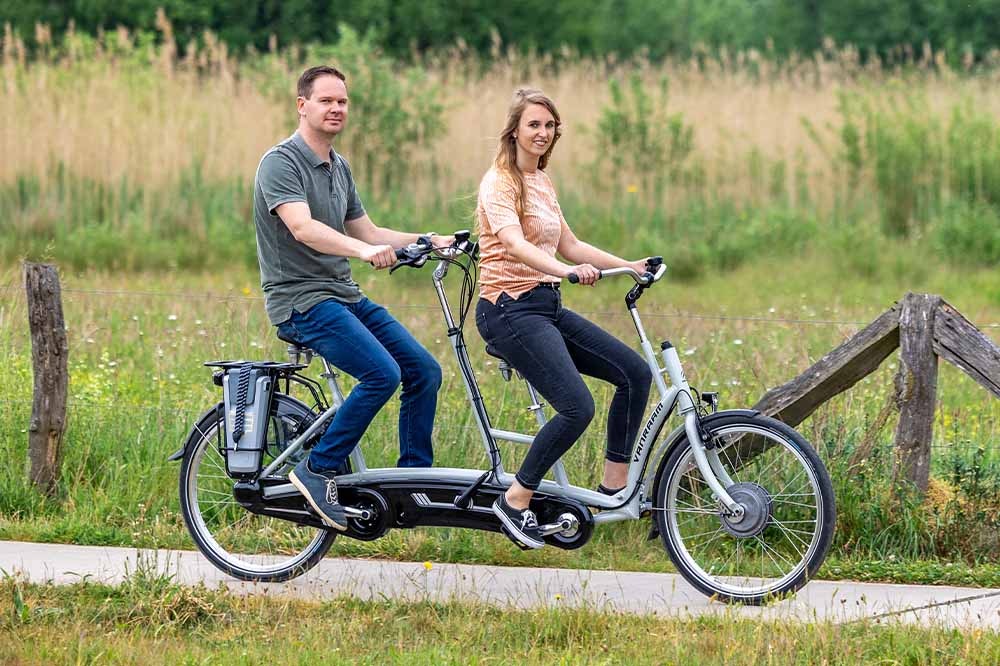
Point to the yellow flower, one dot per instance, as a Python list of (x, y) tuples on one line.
[(428, 566), (632, 189), (558, 597), (246, 291)]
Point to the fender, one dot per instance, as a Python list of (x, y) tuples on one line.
[(676, 438), (210, 413), (282, 404)]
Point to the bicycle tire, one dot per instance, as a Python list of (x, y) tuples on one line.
[(244, 545), (705, 543)]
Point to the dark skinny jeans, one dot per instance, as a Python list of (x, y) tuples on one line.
[(551, 346)]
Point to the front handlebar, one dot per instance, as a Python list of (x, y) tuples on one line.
[(416, 254), (655, 269)]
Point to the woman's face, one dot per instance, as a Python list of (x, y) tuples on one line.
[(536, 130)]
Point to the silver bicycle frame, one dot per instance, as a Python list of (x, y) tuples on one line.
[(628, 504)]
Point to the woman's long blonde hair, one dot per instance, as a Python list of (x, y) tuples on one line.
[(506, 159)]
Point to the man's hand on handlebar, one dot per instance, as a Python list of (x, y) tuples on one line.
[(379, 256), (585, 274), (442, 242)]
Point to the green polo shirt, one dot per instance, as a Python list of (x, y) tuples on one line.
[(292, 274)]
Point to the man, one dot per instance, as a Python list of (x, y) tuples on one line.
[(309, 220)]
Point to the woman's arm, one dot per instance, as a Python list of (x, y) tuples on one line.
[(522, 250), (573, 249)]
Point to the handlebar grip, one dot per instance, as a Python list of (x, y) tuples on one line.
[(401, 253), (575, 279)]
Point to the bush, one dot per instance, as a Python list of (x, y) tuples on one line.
[(969, 233), (641, 138)]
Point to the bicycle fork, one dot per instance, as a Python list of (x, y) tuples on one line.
[(707, 458)]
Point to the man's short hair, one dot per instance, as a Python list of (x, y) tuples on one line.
[(305, 85)]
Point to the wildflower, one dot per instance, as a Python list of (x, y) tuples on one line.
[(172, 317), (428, 566), (558, 597), (246, 291), (632, 189), (737, 341)]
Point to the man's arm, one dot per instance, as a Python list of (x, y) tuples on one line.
[(322, 238), (363, 229)]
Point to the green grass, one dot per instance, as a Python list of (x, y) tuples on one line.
[(151, 620), (137, 343)]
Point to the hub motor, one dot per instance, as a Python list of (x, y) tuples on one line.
[(756, 515)]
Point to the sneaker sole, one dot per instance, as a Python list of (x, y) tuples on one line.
[(518, 535), (326, 519)]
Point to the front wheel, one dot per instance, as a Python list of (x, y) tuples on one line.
[(781, 536), (245, 545)]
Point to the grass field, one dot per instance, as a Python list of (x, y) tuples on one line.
[(151, 620), (137, 344)]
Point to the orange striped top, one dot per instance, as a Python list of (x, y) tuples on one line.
[(542, 225)]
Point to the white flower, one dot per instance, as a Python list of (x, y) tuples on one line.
[(737, 341), (172, 317)]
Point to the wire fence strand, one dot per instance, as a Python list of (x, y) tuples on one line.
[(218, 297)]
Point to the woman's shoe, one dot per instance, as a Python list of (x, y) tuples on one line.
[(522, 526)]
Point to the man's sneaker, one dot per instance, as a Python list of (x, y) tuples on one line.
[(320, 490), (522, 526)]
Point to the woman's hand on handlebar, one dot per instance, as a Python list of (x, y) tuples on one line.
[(585, 274), (379, 256), (639, 266)]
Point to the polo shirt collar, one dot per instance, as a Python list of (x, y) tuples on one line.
[(307, 152)]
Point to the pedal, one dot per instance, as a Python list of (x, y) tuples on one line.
[(510, 536), (362, 514), (567, 525)]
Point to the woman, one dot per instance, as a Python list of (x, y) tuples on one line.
[(520, 313)]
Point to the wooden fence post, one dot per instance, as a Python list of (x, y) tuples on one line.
[(916, 388), (49, 351)]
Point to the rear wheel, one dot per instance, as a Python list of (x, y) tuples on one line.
[(243, 544), (780, 538)]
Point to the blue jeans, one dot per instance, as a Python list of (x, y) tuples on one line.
[(366, 342)]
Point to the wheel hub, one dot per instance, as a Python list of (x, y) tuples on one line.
[(756, 504)]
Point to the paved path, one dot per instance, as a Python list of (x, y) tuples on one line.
[(631, 592)]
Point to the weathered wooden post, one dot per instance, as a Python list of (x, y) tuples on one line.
[(49, 351), (925, 328), (916, 388)]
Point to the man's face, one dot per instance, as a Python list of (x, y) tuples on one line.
[(326, 109)]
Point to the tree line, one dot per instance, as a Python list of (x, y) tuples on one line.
[(590, 27)]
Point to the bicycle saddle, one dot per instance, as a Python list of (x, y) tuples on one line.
[(492, 351), (294, 343)]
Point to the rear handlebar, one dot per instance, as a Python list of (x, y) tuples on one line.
[(655, 269)]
